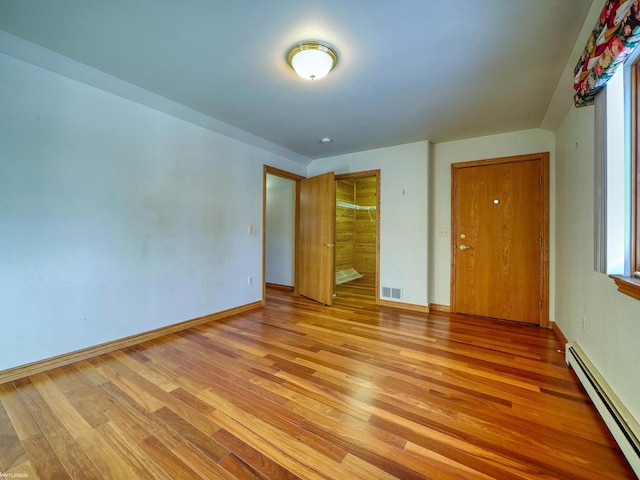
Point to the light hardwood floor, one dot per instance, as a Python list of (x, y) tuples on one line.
[(298, 390), (355, 294)]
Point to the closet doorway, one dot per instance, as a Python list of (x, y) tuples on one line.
[(356, 238)]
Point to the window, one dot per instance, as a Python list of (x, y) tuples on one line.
[(613, 213), (612, 44), (628, 282)]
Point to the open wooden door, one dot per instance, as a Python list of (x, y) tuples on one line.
[(500, 238), (315, 275)]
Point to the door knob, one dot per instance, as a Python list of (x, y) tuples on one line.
[(465, 247), (328, 245)]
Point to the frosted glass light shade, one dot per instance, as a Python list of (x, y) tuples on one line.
[(312, 60)]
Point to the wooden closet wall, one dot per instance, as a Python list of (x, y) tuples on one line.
[(356, 229)]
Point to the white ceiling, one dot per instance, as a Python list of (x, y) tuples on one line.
[(409, 70)]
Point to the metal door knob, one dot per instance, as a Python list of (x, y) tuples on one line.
[(328, 245), (465, 247)]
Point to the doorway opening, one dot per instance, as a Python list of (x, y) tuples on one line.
[(280, 192), (356, 239)]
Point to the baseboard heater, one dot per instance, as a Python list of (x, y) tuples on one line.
[(621, 423)]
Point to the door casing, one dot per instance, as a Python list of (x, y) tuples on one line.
[(269, 170)]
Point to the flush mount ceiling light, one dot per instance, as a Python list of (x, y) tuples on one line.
[(312, 60)]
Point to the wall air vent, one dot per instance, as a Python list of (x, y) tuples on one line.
[(391, 293)]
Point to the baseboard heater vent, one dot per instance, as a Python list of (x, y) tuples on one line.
[(391, 293), (621, 423)]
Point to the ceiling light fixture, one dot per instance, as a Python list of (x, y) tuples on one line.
[(312, 60)]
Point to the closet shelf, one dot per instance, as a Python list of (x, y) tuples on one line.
[(344, 276), (353, 206)]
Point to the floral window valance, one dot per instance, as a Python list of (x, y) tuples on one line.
[(614, 37)]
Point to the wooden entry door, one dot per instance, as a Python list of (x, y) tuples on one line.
[(315, 246), (500, 238)]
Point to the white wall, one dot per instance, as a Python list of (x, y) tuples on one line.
[(115, 218), (280, 230), (444, 154), (613, 319), (403, 212)]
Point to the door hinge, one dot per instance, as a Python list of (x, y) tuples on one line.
[(540, 241), (540, 304), (540, 179)]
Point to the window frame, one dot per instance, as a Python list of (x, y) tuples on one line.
[(630, 285), (635, 169)]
